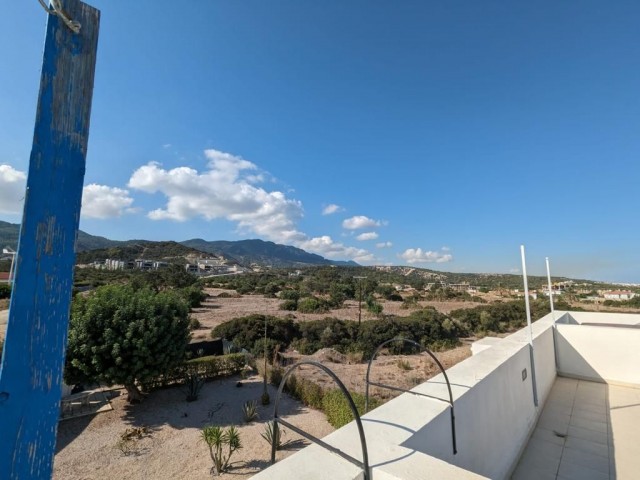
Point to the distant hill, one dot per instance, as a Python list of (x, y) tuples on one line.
[(260, 252), (263, 253), (244, 252), (133, 249), (9, 233)]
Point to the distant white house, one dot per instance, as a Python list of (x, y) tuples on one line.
[(212, 266), (619, 295)]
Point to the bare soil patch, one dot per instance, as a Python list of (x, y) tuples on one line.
[(172, 448)]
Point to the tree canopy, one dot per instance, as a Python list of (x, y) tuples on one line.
[(120, 335)]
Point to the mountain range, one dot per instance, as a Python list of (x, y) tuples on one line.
[(245, 252)]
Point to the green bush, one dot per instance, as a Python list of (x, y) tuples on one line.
[(312, 305), (275, 376), (289, 294), (326, 333), (206, 368), (193, 295), (248, 332), (310, 393), (290, 305), (336, 407), (119, 335), (5, 290)]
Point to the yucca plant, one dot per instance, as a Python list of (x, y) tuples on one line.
[(271, 431), (250, 410), (216, 438)]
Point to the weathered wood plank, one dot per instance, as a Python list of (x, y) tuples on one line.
[(34, 350)]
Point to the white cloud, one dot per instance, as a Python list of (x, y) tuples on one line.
[(417, 255), (333, 208), (367, 236), (384, 245), (100, 201), (227, 190), (514, 270), (328, 248), (166, 145), (12, 189), (360, 221), (445, 249)]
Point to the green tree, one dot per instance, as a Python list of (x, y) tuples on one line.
[(126, 336)]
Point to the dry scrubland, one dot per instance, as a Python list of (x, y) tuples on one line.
[(218, 309), (87, 446)]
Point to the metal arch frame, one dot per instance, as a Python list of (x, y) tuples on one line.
[(398, 389), (364, 464)]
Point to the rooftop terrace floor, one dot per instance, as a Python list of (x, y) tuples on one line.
[(586, 431)]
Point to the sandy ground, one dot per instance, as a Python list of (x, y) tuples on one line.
[(86, 447), (216, 310), (4, 316)]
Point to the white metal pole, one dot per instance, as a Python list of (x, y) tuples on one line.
[(553, 314), (526, 295), (11, 274), (529, 328)]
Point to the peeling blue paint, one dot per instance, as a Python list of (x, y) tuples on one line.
[(33, 356)]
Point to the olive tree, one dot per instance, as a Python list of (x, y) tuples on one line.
[(122, 335)]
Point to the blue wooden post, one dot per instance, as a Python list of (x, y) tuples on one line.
[(36, 338)]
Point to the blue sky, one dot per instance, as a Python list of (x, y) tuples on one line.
[(435, 134)]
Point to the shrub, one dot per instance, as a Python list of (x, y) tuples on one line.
[(326, 333), (289, 295), (128, 441), (5, 290), (310, 393), (275, 376), (312, 305), (404, 365), (289, 305), (336, 407), (194, 384), (193, 295), (206, 368), (248, 332), (194, 323)]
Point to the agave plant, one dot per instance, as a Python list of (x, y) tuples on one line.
[(216, 438), (250, 410), (271, 431)]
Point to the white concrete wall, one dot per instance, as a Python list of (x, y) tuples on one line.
[(598, 317), (483, 344), (601, 353), (410, 436)]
